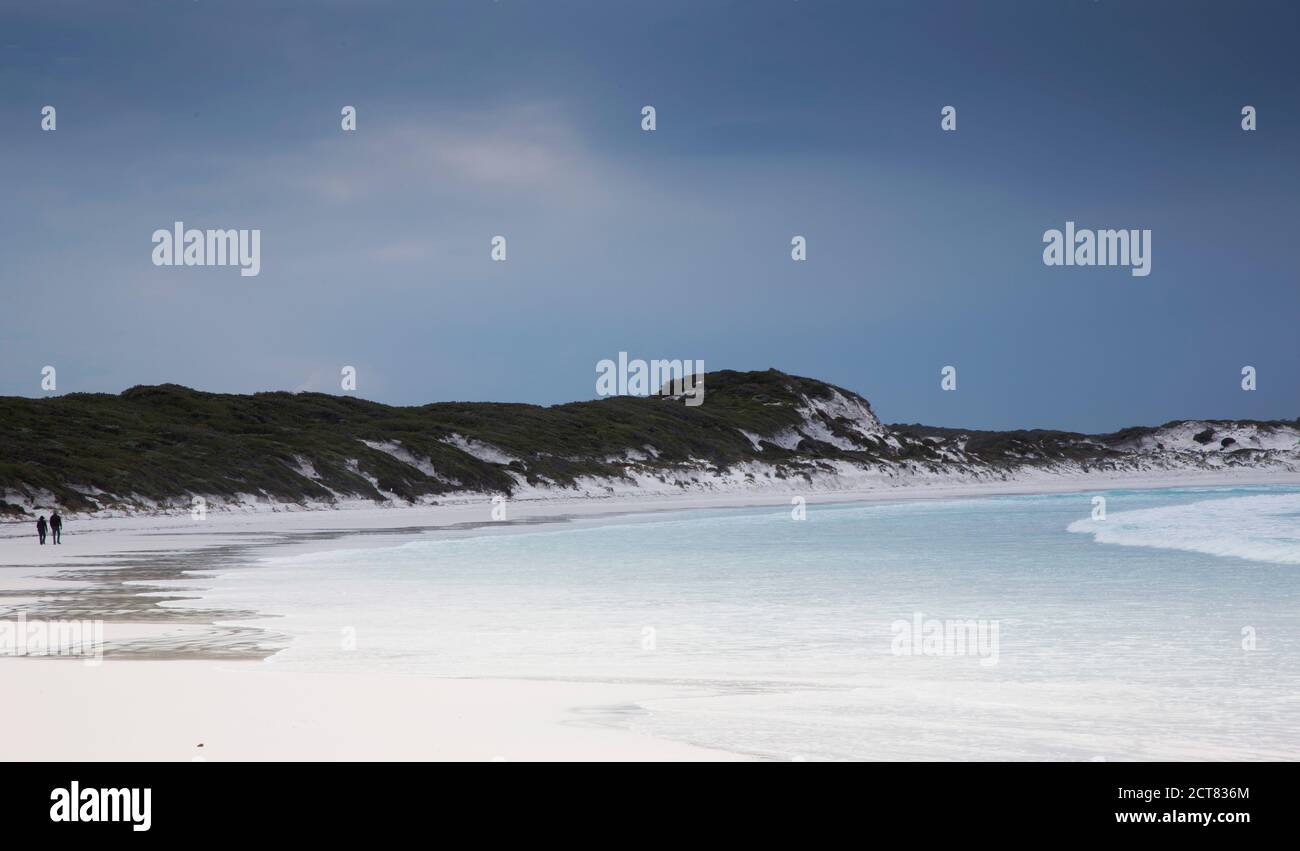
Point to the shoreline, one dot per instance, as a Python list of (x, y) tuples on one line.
[(199, 679), (124, 569), (278, 521)]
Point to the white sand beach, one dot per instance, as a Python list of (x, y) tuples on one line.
[(188, 708), (195, 710)]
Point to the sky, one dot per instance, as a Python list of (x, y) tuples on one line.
[(774, 118)]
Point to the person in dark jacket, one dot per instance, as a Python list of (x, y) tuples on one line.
[(56, 528), (40, 528)]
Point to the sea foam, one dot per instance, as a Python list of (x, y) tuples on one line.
[(1258, 528)]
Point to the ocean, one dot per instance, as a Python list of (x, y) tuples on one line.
[(986, 628)]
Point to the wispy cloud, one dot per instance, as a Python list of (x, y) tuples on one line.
[(522, 153)]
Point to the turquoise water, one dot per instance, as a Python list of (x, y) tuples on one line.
[(1115, 639)]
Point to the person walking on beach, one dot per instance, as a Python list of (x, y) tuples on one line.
[(40, 528), (56, 528)]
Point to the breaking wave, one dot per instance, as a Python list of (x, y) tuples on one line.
[(1258, 528)]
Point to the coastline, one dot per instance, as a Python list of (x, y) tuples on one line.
[(304, 530), (173, 675)]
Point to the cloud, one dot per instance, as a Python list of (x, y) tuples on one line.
[(521, 153)]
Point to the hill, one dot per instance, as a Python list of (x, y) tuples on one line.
[(155, 447)]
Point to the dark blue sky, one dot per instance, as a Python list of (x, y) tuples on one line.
[(775, 118)]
